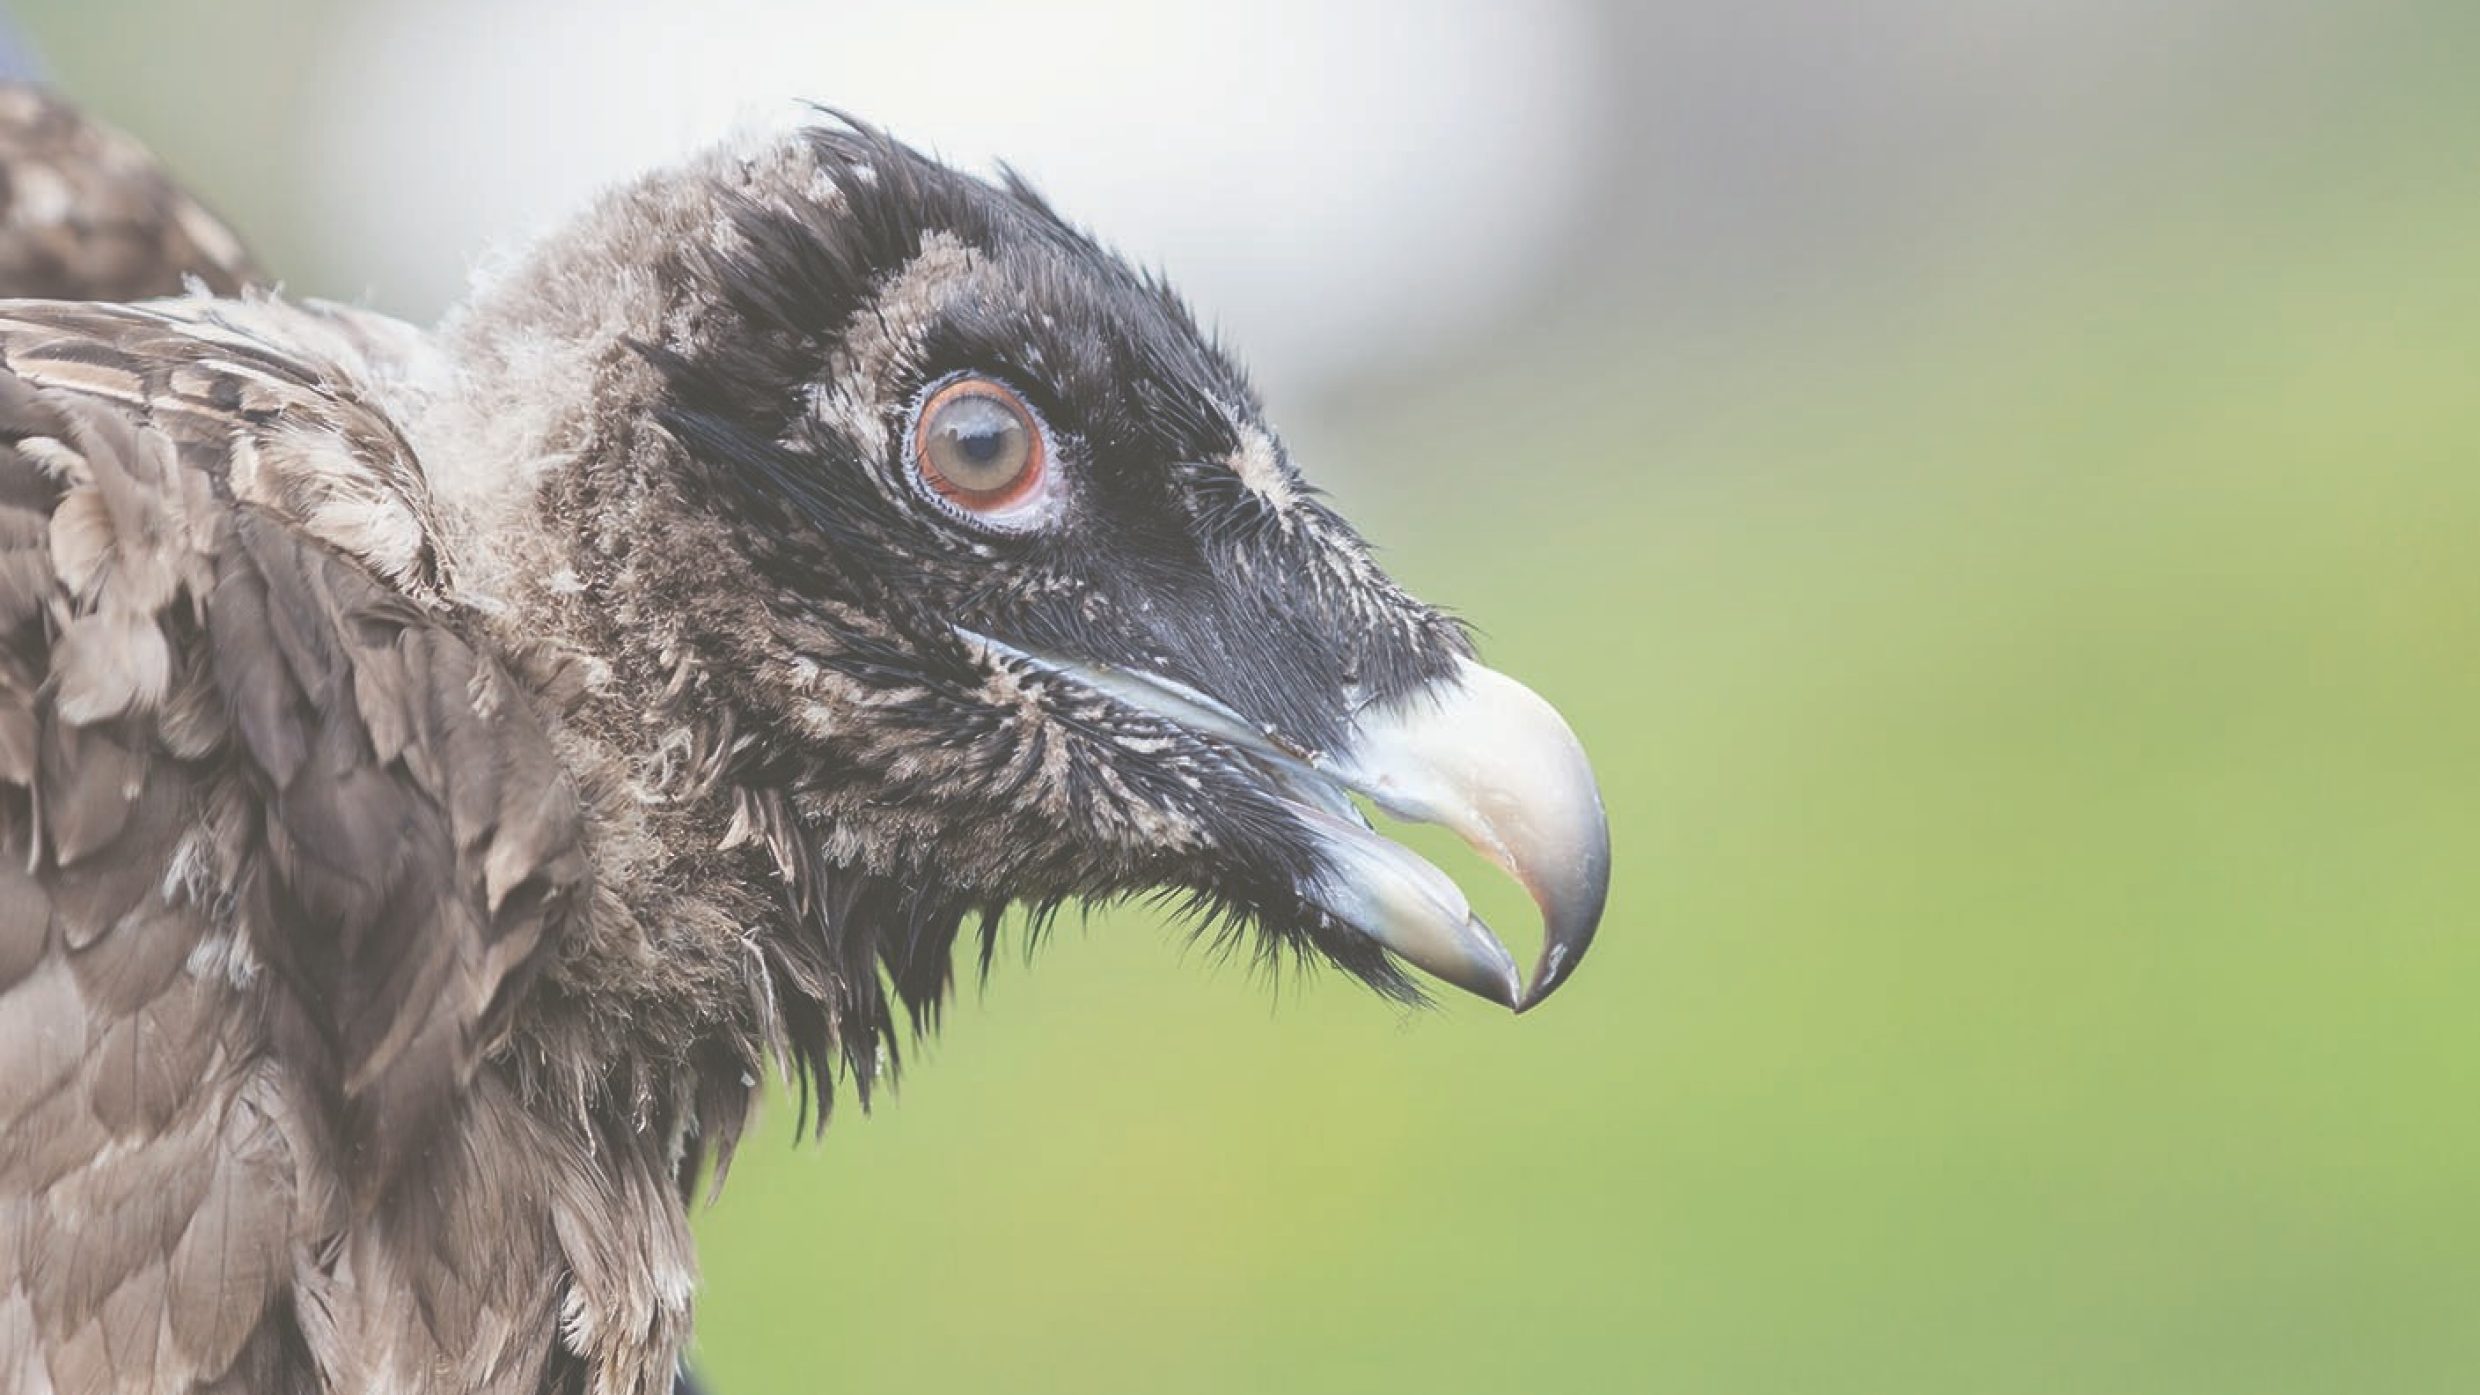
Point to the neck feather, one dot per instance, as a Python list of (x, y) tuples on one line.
[(723, 932)]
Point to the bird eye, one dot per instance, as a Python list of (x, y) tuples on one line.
[(978, 444)]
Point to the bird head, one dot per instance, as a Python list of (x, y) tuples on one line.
[(1022, 602)]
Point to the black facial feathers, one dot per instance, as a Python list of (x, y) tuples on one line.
[(936, 786)]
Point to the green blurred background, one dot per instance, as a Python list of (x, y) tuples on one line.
[(2032, 650)]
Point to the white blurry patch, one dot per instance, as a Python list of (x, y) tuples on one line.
[(1334, 182), (1261, 468)]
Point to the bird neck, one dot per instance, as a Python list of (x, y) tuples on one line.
[(709, 950)]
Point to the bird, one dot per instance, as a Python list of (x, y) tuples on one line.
[(443, 771)]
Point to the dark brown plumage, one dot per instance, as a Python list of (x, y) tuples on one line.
[(440, 775), (216, 731), (87, 214)]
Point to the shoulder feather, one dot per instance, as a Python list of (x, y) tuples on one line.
[(86, 213), (281, 849)]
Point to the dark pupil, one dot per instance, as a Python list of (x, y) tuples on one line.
[(980, 440)]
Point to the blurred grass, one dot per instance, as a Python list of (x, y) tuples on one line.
[(2036, 704)]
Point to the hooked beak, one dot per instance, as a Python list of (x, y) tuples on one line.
[(1474, 752), (1487, 758)]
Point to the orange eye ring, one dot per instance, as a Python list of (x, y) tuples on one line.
[(979, 446)]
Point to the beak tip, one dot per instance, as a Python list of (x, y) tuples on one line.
[(1546, 981), (1490, 971), (1477, 964), (1571, 922)]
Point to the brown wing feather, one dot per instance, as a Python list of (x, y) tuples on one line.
[(279, 850), (87, 214)]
